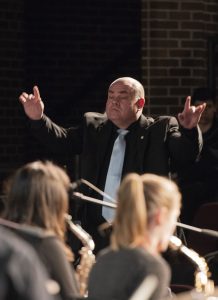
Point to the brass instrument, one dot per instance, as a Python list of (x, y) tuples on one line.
[(204, 286), (87, 256)]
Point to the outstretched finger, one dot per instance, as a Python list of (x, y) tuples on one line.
[(36, 93), (201, 108), (187, 103)]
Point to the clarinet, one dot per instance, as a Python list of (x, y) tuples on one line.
[(86, 252)]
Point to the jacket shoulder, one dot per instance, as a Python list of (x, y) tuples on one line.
[(150, 120), (166, 118), (172, 121)]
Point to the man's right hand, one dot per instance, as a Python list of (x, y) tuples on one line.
[(32, 103)]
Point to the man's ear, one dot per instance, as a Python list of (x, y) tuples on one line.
[(140, 103)]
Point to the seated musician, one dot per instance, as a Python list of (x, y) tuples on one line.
[(148, 208), (37, 198)]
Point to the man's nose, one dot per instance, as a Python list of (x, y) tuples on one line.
[(116, 100)]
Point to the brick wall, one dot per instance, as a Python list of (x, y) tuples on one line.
[(174, 49)]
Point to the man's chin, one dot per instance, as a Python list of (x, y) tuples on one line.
[(113, 116)]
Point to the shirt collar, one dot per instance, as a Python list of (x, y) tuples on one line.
[(130, 128)]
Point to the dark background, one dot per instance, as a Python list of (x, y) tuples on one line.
[(73, 50)]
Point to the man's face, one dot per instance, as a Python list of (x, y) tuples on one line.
[(209, 112), (121, 106)]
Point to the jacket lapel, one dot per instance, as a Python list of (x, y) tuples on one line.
[(104, 134), (142, 142)]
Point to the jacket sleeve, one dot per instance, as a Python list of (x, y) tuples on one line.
[(58, 139), (184, 145)]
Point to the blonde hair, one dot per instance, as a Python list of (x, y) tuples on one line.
[(160, 192), (37, 195), (138, 199)]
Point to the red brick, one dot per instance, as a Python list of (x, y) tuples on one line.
[(164, 43), (158, 72), (180, 91), (164, 62), (180, 72), (164, 100), (164, 81), (158, 14), (199, 72), (179, 34), (193, 44), (159, 52), (180, 53), (158, 91), (158, 34), (192, 62), (191, 81), (159, 110), (201, 16), (192, 5), (163, 24), (193, 25), (164, 5), (179, 15)]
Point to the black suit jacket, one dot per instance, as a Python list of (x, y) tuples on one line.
[(157, 146)]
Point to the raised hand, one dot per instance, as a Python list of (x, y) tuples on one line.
[(190, 115), (32, 103)]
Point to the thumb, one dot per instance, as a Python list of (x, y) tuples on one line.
[(180, 117)]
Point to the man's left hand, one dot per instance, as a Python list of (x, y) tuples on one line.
[(191, 115)]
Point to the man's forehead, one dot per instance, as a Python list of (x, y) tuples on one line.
[(121, 91), (122, 87)]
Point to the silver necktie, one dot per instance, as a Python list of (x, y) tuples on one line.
[(114, 172)]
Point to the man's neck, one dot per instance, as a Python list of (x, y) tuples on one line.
[(125, 125)]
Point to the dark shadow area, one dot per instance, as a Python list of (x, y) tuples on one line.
[(73, 64)]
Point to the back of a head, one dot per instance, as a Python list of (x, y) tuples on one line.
[(204, 94), (160, 192), (37, 195), (139, 197)]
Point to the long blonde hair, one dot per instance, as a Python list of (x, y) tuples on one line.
[(138, 199)]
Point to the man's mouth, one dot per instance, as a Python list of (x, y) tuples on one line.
[(115, 108)]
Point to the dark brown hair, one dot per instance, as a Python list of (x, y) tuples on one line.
[(37, 195)]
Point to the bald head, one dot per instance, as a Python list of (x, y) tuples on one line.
[(137, 87)]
